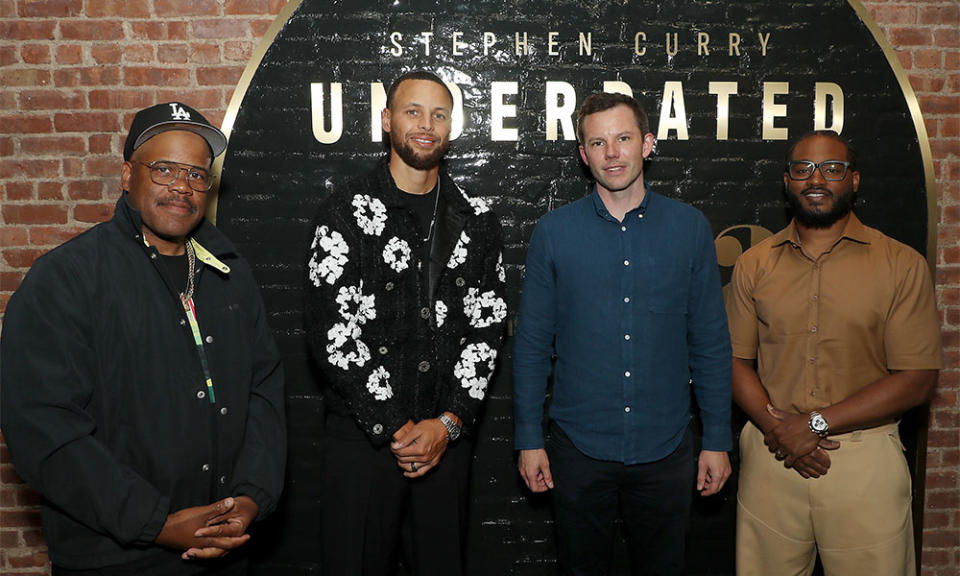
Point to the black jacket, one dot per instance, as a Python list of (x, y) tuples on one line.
[(104, 403), (393, 342)]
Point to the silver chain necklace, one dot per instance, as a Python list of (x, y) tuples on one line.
[(191, 268), (433, 220)]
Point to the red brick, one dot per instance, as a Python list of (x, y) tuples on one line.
[(954, 86), (28, 559), (221, 28), (951, 61), (72, 167), (172, 53), (118, 8), (51, 100), (156, 77), (159, 30), (86, 122), (945, 418), (91, 30), (34, 214), (945, 480), (101, 144), (106, 53), (8, 55), (895, 14), (30, 168), (138, 53), (259, 27), (221, 76), (8, 9), (21, 124), (942, 538), (8, 99), (53, 145), (33, 537), (204, 53), (906, 59), (50, 191), (237, 50), (19, 191), (900, 37), (85, 190), (103, 166), (256, 7), (6, 146), (24, 77), (276, 6), (27, 29), (945, 37), (202, 99), (178, 8), (54, 235), (926, 83), (92, 212), (93, 76), (939, 15), (69, 54), (8, 538), (950, 128), (121, 99), (11, 236), (35, 53), (927, 58), (49, 8)]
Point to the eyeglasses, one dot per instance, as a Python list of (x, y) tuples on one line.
[(831, 170), (165, 173)]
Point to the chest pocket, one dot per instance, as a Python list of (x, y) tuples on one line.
[(665, 287)]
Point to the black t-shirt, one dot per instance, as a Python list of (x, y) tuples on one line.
[(422, 206), (177, 269)]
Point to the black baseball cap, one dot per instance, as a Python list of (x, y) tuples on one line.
[(171, 116)]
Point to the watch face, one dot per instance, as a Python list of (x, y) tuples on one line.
[(818, 423)]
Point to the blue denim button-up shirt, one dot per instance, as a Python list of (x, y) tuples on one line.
[(633, 311)]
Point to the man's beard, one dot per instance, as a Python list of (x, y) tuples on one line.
[(843, 203), (417, 161)]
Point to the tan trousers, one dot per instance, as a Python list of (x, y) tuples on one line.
[(858, 515)]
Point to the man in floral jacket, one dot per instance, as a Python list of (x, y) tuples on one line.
[(404, 315)]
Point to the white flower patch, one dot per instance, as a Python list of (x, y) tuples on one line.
[(459, 255), (337, 337), (479, 205), (355, 307), (440, 312), (378, 384), (334, 249), (370, 213), (396, 254), (473, 356), (501, 271), (476, 307)]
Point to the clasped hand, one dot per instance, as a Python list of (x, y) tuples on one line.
[(792, 441), (211, 531), (419, 447)]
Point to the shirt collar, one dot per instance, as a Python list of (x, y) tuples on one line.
[(853, 230), (605, 214)]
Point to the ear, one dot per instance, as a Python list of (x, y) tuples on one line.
[(648, 141), (786, 181), (126, 173), (583, 156), (385, 120), (855, 180)]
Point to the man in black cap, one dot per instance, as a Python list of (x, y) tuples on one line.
[(142, 393)]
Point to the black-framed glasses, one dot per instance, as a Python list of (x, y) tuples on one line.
[(166, 172), (832, 170)]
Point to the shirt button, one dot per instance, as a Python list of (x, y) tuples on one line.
[(626, 336), (423, 366), (201, 394), (388, 286), (626, 262), (206, 467), (813, 329), (378, 429), (223, 480), (209, 339), (424, 313), (223, 411), (640, 216), (627, 409), (813, 393), (627, 299), (183, 322), (813, 360), (623, 228), (460, 281), (153, 256), (815, 298), (627, 373), (382, 350)]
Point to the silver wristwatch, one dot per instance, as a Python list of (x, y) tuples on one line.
[(453, 431), (818, 424)]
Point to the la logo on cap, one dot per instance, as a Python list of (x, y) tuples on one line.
[(178, 113)]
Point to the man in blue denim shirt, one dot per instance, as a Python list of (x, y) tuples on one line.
[(623, 287)]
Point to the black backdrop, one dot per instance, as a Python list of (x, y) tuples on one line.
[(275, 174)]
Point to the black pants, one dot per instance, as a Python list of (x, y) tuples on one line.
[(371, 511), (168, 563), (653, 500)]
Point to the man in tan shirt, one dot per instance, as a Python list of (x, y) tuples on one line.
[(835, 334)]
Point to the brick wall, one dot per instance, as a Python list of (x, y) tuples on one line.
[(71, 72)]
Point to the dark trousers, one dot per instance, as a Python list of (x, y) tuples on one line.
[(371, 512), (653, 500), (167, 563)]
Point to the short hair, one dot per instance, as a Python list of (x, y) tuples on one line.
[(415, 75), (851, 151), (600, 101)]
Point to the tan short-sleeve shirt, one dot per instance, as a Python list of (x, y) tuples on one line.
[(823, 329)]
